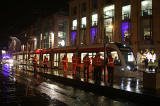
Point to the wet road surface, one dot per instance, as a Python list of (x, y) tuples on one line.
[(36, 90)]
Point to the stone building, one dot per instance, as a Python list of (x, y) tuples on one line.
[(135, 22)]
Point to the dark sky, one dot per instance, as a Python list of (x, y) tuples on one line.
[(18, 14)]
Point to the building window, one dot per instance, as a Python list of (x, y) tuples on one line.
[(82, 36), (62, 34), (74, 11), (74, 24), (61, 38), (93, 35), (94, 19), (146, 7), (109, 22), (109, 11), (73, 37), (83, 22), (94, 4), (147, 29), (126, 12), (51, 40), (83, 7), (125, 31)]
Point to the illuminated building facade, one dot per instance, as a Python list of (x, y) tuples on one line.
[(135, 22)]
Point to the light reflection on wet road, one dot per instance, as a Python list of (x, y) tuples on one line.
[(68, 95)]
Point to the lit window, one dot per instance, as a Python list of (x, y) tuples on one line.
[(83, 22), (126, 11), (146, 7), (74, 25), (94, 19), (109, 22), (61, 38), (109, 11), (51, 40)]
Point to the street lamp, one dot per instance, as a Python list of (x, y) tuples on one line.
[(104, 42)]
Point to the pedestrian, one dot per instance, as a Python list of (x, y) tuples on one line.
[(86, 62), (98, 66), (78, 67), (74, 65), (45, 63), (65, 65), (35, 59), (110, 67)]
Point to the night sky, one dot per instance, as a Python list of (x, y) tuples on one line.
[(16, 15)]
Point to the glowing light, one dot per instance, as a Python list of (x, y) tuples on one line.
[(74, 23), (128, 67), (3, 52), (73, 37), (83, 22), (110, 26)]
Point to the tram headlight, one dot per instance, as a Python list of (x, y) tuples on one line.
[(128, 68)]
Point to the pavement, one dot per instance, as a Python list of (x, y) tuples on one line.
[(123, 88)]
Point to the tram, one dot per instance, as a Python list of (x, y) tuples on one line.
[(125, 64)]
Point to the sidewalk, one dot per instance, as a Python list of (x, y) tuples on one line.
[(123, 88)]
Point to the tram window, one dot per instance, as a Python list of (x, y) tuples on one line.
[(82, 55), (61, 56), (130, 57), (47, 55), (69, 56), (102, 55), (55, 60), (38, 55), (115, 57)]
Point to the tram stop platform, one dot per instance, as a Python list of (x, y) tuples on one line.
[(132, 89)]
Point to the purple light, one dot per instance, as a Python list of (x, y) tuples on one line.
[(125, 28), (6, 56), (93, 33), (6, 67), (73, 37)]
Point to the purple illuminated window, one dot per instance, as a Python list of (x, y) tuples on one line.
[(93, 33), (73, 37), (125, 29)]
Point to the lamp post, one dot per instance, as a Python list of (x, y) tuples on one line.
[(104, 42)]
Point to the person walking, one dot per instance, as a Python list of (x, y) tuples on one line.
[(65, 65), (86, 62), (98, 66), (35, 59), (45, 63), (110, 67)]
